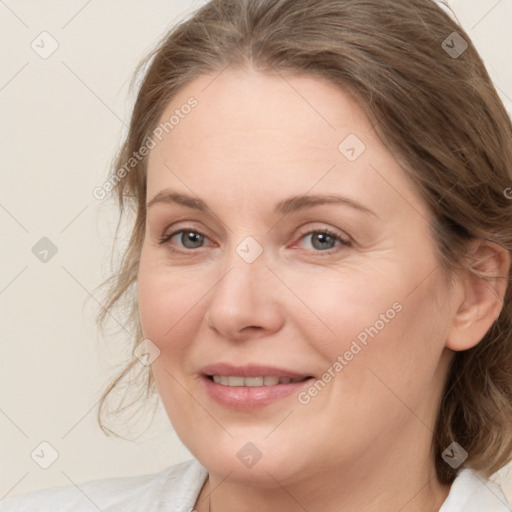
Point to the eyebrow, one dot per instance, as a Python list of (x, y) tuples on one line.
[(284, 207)]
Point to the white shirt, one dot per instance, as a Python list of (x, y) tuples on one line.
[(175, 489)]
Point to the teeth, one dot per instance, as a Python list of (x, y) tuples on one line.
[(250, 381), (237, 381), (233, 381), (270, 381)]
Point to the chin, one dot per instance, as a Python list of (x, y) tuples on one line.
[(247, 458)]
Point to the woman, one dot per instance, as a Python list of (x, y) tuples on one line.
[(321, 255)]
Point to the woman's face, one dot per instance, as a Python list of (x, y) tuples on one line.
[(295, 248)]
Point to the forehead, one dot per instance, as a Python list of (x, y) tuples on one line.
[(263, 132), (309, 111)]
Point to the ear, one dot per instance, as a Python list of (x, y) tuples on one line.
[(481, 289)]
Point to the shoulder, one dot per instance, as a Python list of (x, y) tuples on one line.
[(471, 492), (174, 489)]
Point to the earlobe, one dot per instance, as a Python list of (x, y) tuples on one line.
[(482, 288)]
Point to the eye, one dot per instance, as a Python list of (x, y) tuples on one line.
[(188, 238), (324, 240)]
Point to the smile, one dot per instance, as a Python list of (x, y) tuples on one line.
[(238, 381), (251, 386)]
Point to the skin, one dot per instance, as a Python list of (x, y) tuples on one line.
[(363, 442)]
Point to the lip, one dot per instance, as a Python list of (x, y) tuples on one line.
[(248, 398), (250, 370)]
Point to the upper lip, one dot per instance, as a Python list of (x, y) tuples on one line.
[(250, 370)]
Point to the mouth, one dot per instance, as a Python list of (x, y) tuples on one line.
[(251, 386), (251, 382)]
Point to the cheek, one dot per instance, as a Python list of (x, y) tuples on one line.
[(395, 351), (332, 309), (385, 354), (388, 320), (169, 303), (154, 299), (170, 313)]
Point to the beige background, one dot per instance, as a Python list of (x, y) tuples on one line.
[(62, 118)]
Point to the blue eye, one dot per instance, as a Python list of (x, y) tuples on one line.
[(322, 240), (189, 239)]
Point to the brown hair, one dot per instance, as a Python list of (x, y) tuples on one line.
[(438, 112)]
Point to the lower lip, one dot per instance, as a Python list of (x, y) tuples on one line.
[(245, 397)]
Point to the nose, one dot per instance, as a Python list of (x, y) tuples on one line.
[(245, 302)]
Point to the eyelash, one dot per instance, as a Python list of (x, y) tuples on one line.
[(346, 243)]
